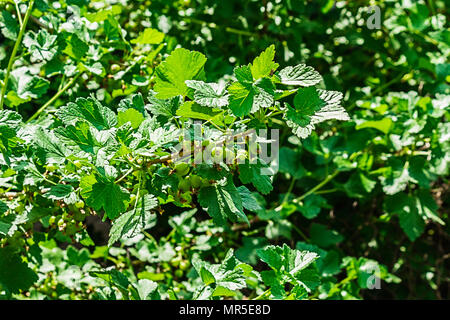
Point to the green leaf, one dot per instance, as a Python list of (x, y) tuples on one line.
[(207, 276), (427, 206), (90, 110), (300, 75), (62, 192), (192, 110), (15, 275), (49, 146), (312, 107), (107, 195), (32, 87), (130, 115), (41, 45), (290, 162), (263, 65), (312, 205), (80, 135), (212, 95), (172, 73), (76, 48), (324, 237), (133, 222), (248, 251), (411, 222), (167, 108), (246, 98), (222, 201), (9, 25), (406, 208), (248, 199), (241, 98), (149, 36), (384, 125), (251, 173), (285, 259), (146, 289)]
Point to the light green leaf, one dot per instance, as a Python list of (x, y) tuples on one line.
[(263, 65), (149, 36), (192, 110), (130, 115), (172, 73), (384, 125), (90, 110)]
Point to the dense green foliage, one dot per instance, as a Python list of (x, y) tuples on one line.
[(96, 94)]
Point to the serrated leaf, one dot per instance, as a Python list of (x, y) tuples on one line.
[(222, 202), (172, 73), (192, 110), (90, 110), (263, 65), (246, 98), (62, 192), (249, 201), (208, 94), (307, 114), (49, 146), (133, 222), (108, 196), (251, 173), (41, 45), (149, 36), (300, 75), (80, 135)]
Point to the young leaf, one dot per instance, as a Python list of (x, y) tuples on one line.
[(300, 75), (208, 94), (180, 66), (149, 36), (263, 65)]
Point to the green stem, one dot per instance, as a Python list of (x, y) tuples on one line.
[(14, 52), (19, 15), (291, 186), (52, 99), (263, 295), (311, 191), (317, 187)]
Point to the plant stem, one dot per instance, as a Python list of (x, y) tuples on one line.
[(311, 191), (317, 187), (14, 52), (291, 186), (52, 99), (263, 295), (19, 15)]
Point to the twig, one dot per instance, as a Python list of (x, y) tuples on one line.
[(14, 52)]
